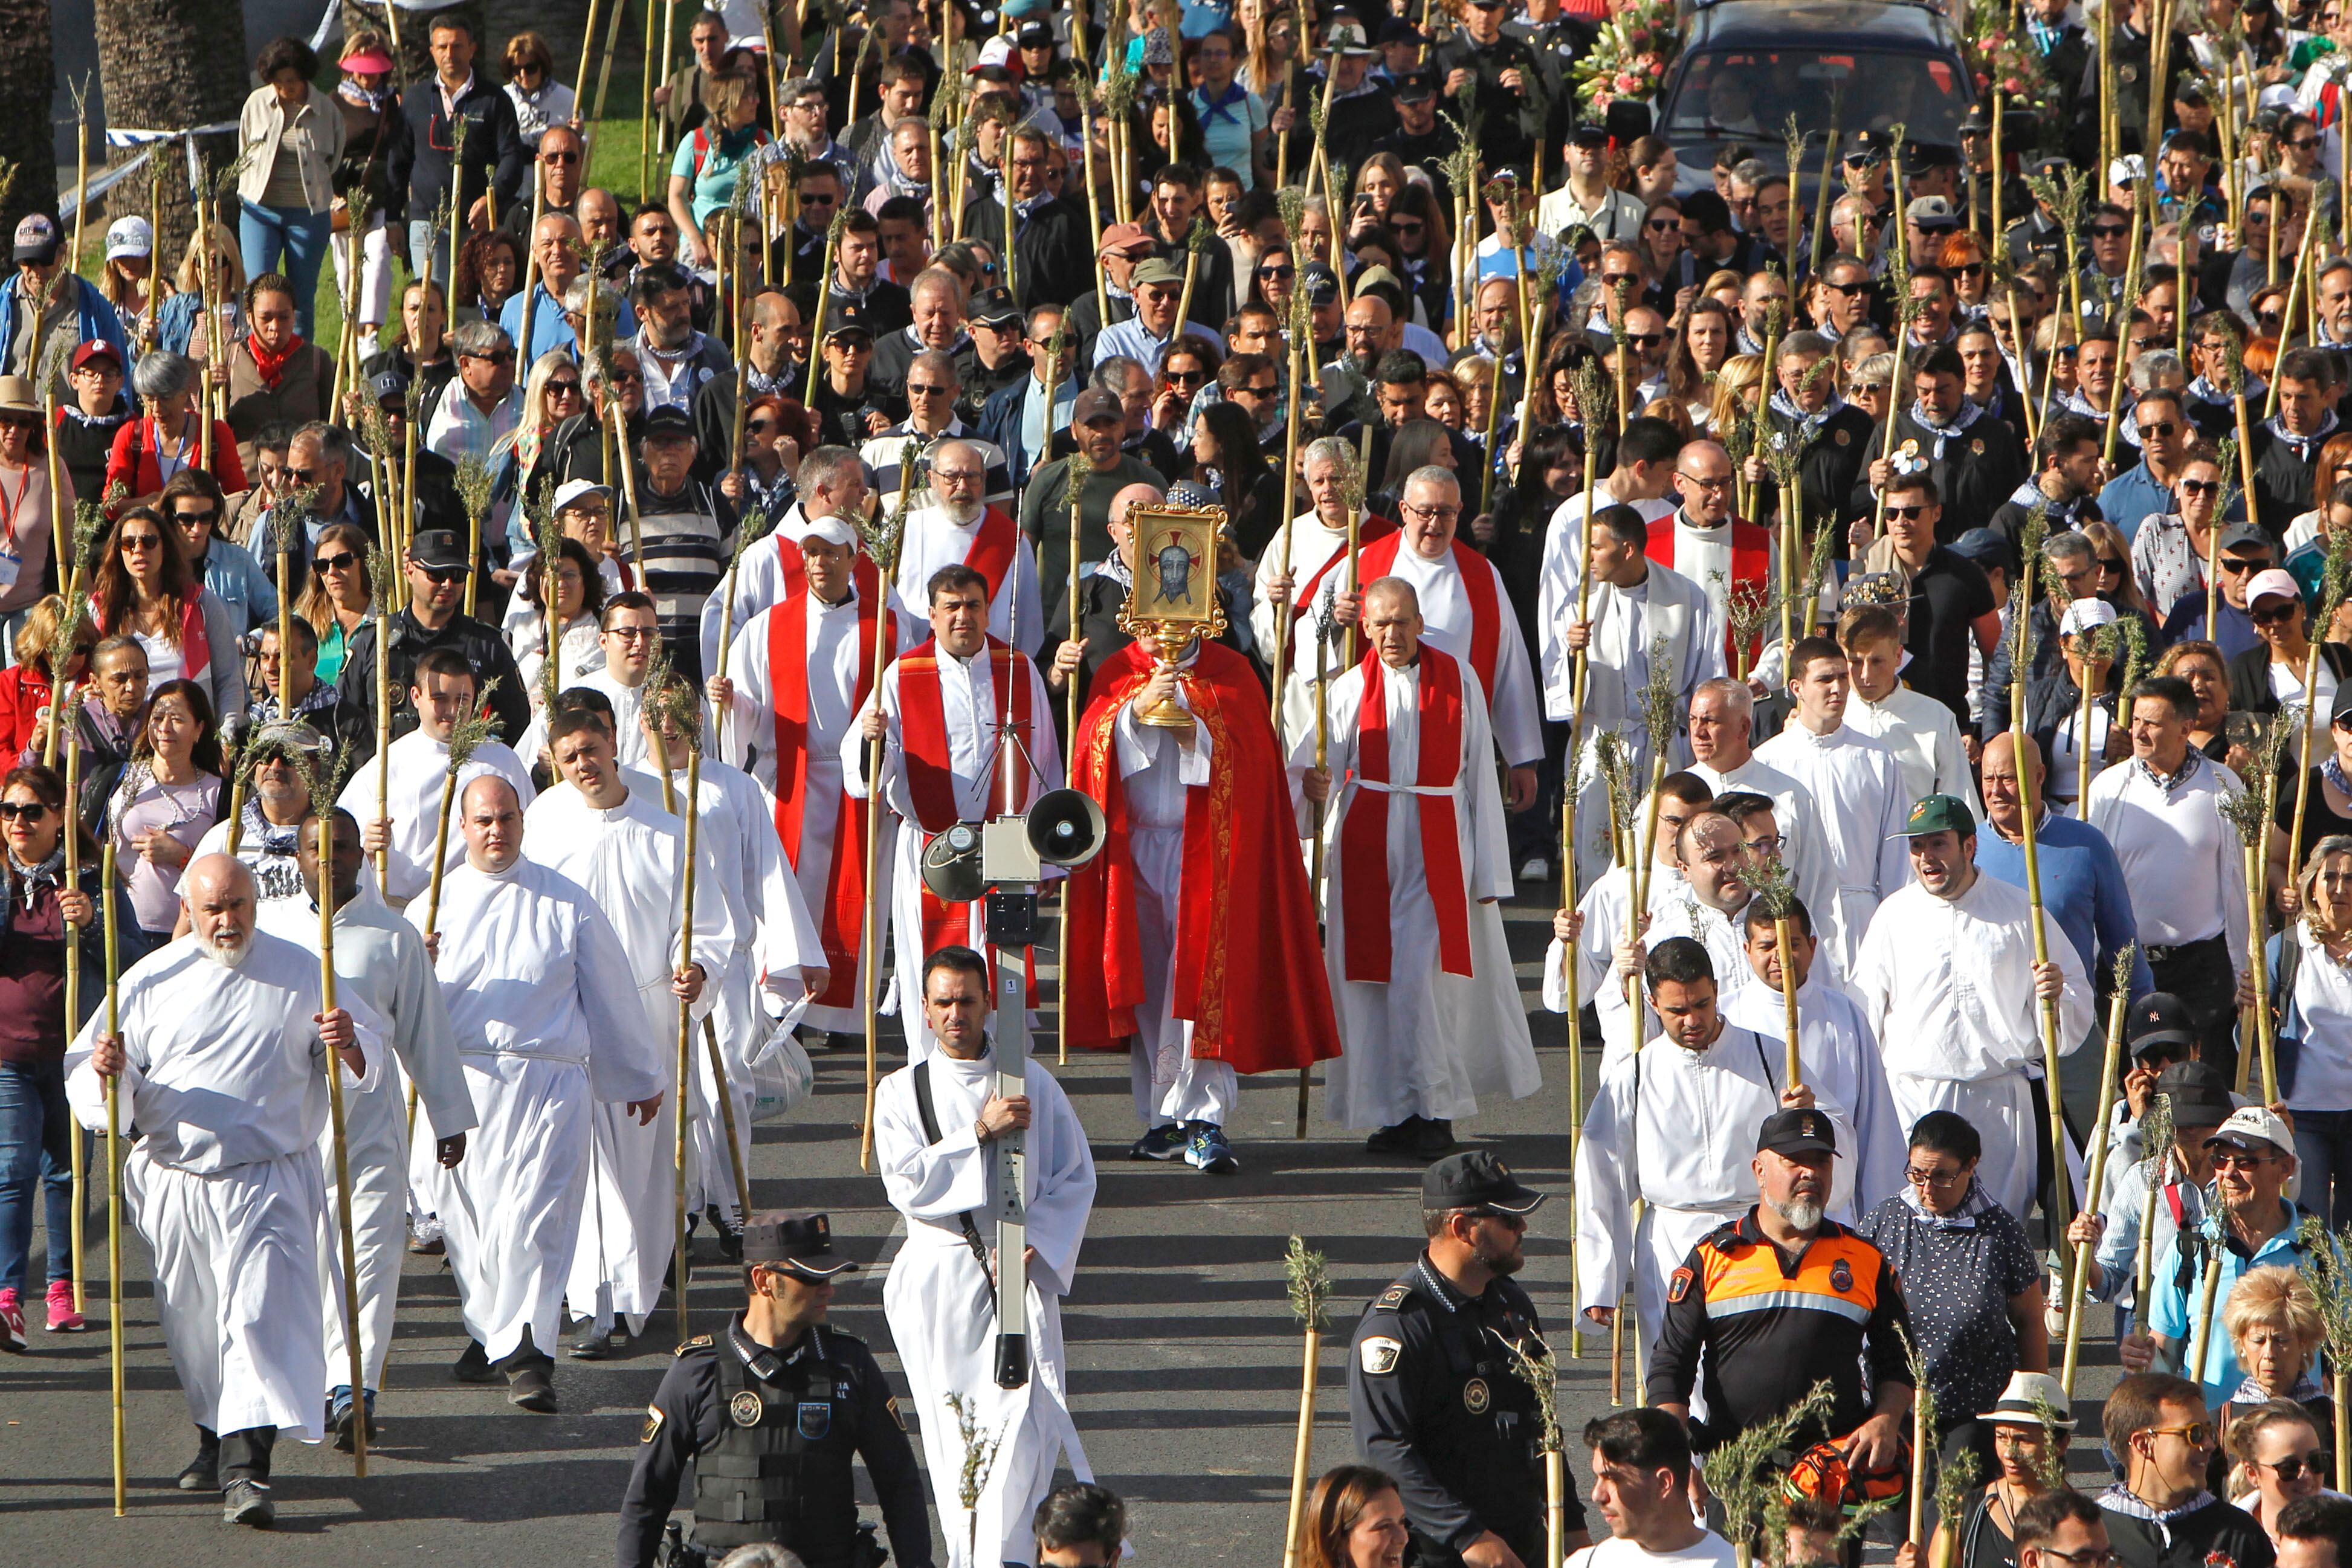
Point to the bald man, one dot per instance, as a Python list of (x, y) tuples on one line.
[(218, 1062)]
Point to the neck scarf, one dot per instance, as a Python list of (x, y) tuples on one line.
[(2303, 445), (1961, 420), (31, 879), (2124, 1501), (351, 91), (272, 367), (1809, 425)]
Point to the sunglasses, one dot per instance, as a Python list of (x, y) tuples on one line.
[(2198, 1434), (2159, 429), (1277, 272), (1969, 269), (189, 519), (1665, 225), (503, 357), (1185, 378), (2108, 231), (2240, 568), (31, 811), (442, 575), (2237, 1159), (341, 561), (928, 388), (559, 157), (2290, 1470), (2304, 143), (762, 426), (1906, 514), (2109, 563), (1847, 289), (2277, 614), (563, 389), (142, 542), (2200, 486)]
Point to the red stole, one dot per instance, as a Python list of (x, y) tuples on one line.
[(1364, 835), (843, 919), (1247, 973), (931, 770), (1751, 564), (993, 543), (794, 568), (1373, 528), (1477, 580)]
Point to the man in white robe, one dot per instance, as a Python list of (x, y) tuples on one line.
[(628, 853), (630, 629), (801, 670), (1948, 979), (402, 834), (217, 1065), (1713, 898), (1857, 788), (1644, 621), (378, 959), (1602, 916), (1673, 1124), (833, 483), (1422, 980), (940, 712), (1318, 543), (1835, 1045), (961, 529), (775, 961), (943, 1179), (1722, 718), (1920, 729), (548, 1025)]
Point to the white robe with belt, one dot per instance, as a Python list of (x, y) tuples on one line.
[(1016, 612), (1426, 1042), (547, 1024), (223, 1077), (419, 766), (831, 642), (940, 1303), (379, 959), (1842, 1065), (630, 860)]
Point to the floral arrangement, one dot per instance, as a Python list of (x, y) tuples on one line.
[(2001, 54), (1631, 58)]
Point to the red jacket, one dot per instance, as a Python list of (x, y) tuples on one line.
[(133, 462)]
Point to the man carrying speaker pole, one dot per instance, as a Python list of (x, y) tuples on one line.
[(944, 710), (938, 1125), (1198, 902)]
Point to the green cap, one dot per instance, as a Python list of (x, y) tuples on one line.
[(1938, 814), (1165, 273)]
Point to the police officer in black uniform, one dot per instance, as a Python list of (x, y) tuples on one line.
[(1431, 1392), (769, 1415)]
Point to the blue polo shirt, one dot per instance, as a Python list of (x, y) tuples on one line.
[(2082, 889)]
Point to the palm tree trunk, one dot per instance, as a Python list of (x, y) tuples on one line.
[(28, 83), (164, 65)]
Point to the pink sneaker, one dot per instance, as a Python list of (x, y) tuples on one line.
[(12, 1324), (63, 1318)]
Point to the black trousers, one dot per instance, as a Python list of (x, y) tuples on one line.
[(2201, 975), (244, 1456)]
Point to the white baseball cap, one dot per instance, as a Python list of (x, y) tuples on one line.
[(2248, 1124), (2128, 169), (575, 489), (832, 530), (2083, 614), (2272, 583), (128, 236)]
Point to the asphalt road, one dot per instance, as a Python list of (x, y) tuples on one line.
[(1184, 1359)]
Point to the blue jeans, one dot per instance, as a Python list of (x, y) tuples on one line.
[(34, 1127), (2322, 1143), (264, 233), (428, 251)]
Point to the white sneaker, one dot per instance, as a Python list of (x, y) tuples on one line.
[(1535, 869)]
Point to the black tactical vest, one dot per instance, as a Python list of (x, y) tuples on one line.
[(779, 1471)]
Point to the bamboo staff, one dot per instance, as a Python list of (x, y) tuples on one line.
[(823, 295), (688, 723), (457, 204), (2250, 813), (530, 283), (2021, 616), (72, 836), (81, 179), (579, 76), (882, 543), (474, 482), (380, 569), (1923, 1448), (604, 70), (2131, 291), (2296, 290), (1054, 350), (335, 1112), (2217, 1244), (468, 732), (1898, 268), (2119, 1004), (1537, 1369), (2156, 1137), (646, 109), (1195, 240), (408, 486), (670, 42), (1615, 769), (1310, 1288), (1775, 894), (2324, 1266), (1301, 328), (113, 1177), (2097, 648)]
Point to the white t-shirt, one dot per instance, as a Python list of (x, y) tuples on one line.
[(1709, 1551)]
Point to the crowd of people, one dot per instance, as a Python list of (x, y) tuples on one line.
[(1906, 622)]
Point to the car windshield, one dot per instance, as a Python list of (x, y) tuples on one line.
[(1752, 92)]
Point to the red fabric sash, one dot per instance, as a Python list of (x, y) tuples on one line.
[(1751, 563), (842, 920), (1485, 604), (1373, 528), (1247, 973), (992, 544), (1364, 835)]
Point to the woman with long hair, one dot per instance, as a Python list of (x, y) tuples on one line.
[(1739, 390), (131, 283), (1650, 169), (1355, 1518), (2276, 1455), (2332, 467), (179, 322), (551, 395), (1424, 232), (2310, 965), (35, 1128), (338, 596), (1418, 443), (1379, 179), (579, 605), (2111, 560), (145, 589), (1233, 466), (1667, 264), (1699, 351), (170, 793), (489, 272)]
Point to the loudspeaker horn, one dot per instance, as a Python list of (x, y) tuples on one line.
[(952, 864), (1066, 828)]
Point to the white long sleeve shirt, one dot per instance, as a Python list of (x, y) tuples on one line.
[(419, 766), (2182, 858), (1926, 739)]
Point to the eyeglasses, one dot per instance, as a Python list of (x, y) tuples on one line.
[(31, 810), (1429, 514), (957, 476), (632, 633), (2159, 429), (341, 561), (1905, 514), (2319, 1462), (2239, 1159), (1704, 483), (2277, 614), (2196, 1434), (928, 388), (2087, 1558), (559, 157), (189, 519), (1918, 1177)]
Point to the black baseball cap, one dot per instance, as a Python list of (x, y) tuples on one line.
[(1591, 134), (1797, 1131), (438, 549), (802, 1243), (994, 307), (669, 419), (1418, 85), (1475, 1178), (2245, 536), (2199, 1096), (389, 385), (2159, 1020), (1397, 31)]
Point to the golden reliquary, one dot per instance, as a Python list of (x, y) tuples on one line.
[(1172, 598)]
